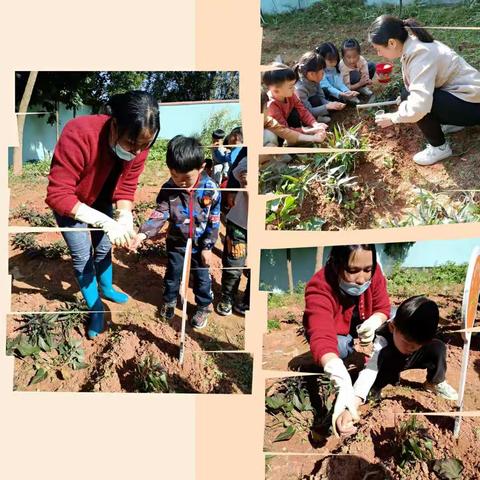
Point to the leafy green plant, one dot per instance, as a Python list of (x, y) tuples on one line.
[(33, 217), (292, 407), (273, 324), (433, 209), (346, 137), (34, 170), (27, 243), (414, 442), (71, 353), (140, 210), (150, 376)]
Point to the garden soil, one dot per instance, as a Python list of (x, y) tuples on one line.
[(373, 442)]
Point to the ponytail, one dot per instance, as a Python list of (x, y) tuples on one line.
[(422, 34), (388, 26)]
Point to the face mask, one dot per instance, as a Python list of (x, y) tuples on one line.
[(122, 153), (353, 289)]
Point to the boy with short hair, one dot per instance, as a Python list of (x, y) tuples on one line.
[(190, 202), (404, 342), (284, 105)]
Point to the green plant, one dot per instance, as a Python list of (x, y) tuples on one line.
[(71, 353), (150, 376), (292, 408), (433, 209), (139, 212), (33, 217), (27, 243), (346, 138), (34, 170), (273, 324), (414, 442)]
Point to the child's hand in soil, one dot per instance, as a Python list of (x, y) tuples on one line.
[(345, 426), (320, 125), (384, 120), (206, 257), (336, 105), (319, 137), (136, 241)]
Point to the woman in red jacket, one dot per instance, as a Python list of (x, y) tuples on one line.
[(96, 163), (346, 298)]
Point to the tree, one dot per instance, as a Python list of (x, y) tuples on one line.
[(22, 110)]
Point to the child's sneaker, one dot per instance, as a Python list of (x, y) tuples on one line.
[(432, 154), (167, 311), (224, 307), (446, 129), (443, 389), (241, 308), (200, 318)]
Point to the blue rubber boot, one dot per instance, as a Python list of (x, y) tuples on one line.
[(104, 275), (89, 288)]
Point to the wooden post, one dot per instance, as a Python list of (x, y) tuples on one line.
[(290, 270), (22, 110), (319, 259)]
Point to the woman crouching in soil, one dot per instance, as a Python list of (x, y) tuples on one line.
[(442, 90), (348, 298), (96, 163)]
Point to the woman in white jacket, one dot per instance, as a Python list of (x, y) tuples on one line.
[(443, 89)]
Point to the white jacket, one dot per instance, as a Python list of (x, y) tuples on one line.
[(426, 66)]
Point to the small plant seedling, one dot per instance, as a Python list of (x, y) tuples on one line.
[(273, 324), (33, 217), (27, 243), (150, 377), (414, 442)]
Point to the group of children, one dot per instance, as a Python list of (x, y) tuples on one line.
[(191, 202), (300, 101)]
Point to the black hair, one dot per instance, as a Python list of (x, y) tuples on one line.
[(350, 43), (263, 100), (208, 163), (388, 26), (417, 319), (340, 255), (282, 74), (235, 135), (134, 111), (184, 154), (218, 134), (309, 62), (329, 52)]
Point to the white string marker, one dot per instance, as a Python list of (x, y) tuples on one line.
[(183, 295), (469, 311)]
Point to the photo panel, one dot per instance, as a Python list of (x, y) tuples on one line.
[(135, 354), (204, 105), (411, 355), (363, 190)]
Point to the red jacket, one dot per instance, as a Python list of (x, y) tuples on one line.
[(281, 110), (83, 160), (328, 312)]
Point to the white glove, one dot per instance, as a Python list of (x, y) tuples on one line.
[(338, 373), (366, 330), (125, 218), (117, 233)]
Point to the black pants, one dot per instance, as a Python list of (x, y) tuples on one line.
[(202, 282), (294, 119), (447, 109), (234, 255), (355, 74), (391, 362)]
